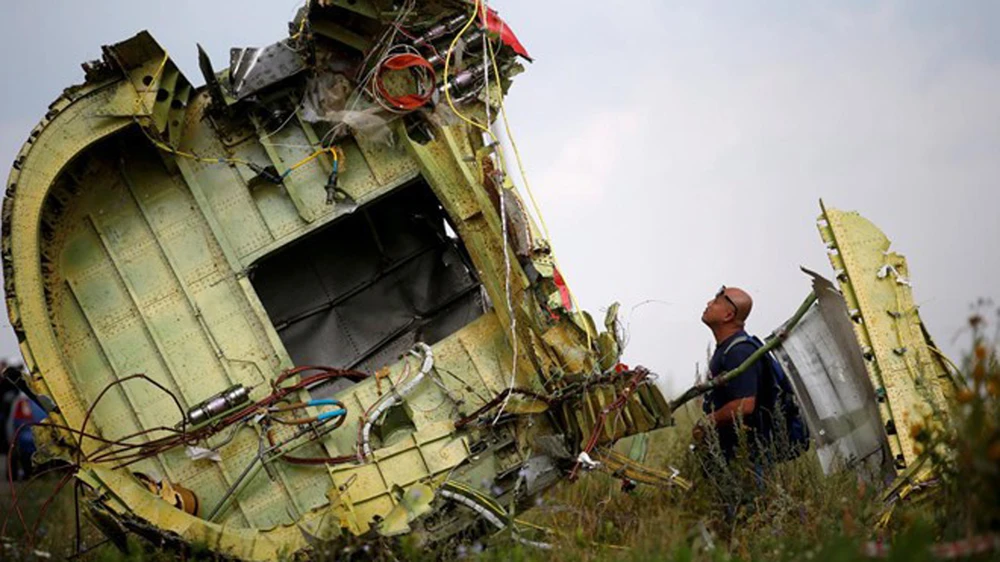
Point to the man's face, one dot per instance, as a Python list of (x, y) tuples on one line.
[(719, 309)]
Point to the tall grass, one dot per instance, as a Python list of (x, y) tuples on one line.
[(793, 513)]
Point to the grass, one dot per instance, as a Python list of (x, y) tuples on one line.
[(797, 514)]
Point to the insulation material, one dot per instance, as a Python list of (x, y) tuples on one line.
[(824, 362), (328, 99)]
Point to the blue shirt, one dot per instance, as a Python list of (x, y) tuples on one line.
[(747, 385)]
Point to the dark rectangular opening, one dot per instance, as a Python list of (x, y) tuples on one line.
[(360, 292)]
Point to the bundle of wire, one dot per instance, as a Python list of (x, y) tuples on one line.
[(640, 375), (407, 381), (423, 76), (125, 451)]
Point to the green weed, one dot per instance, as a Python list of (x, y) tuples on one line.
[(793, 513)]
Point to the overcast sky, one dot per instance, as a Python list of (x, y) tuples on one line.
[(676, 147)]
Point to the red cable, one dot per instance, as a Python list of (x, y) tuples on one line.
[(616, 405), (416, 64)]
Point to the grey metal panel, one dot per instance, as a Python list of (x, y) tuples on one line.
[(361, 292), (824, 362)]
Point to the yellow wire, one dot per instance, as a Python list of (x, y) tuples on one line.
[(312, 157), (302, 25), (447, 90), (159, 144), (156, 76), (527, 186), (517, 154), (224, 160)]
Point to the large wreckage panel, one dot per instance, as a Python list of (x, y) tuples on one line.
[(192, 235), (910, 380), (824, 362), (861, 361)]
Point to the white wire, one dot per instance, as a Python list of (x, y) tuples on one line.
[(503, 231), (370, 87), (384, 46)]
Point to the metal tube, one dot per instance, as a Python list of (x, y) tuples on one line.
[(218, 404)]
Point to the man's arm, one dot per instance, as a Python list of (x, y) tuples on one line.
[(726, 415), (731, 411), (742, 391)]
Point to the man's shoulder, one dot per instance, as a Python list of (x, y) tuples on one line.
[(738, 349), (738, 342)]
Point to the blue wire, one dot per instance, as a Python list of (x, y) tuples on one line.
[(331, 414)]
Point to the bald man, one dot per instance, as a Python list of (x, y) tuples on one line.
[(739, 402)]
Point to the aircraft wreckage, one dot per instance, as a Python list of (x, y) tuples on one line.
[(303, 305)]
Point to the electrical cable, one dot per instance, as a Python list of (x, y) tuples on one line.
[(617, 404), (956, 372), (501, 397), (118, 382), (500, 187), (312, 461), (423, 73), (396, 397), (527, 185)]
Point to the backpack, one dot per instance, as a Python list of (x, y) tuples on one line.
[(795, 427)]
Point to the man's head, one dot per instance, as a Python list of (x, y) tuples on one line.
[(729, 307)]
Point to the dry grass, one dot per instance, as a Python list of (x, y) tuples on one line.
[(797, 514)]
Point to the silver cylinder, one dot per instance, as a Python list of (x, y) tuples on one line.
[(218, 404)]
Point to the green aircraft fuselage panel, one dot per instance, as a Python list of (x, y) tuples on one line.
[(296, 218)]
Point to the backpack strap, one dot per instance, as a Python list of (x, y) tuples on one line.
[(734, 343), (742, 339), (776, 374)]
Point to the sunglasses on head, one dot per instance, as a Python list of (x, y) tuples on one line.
[(722, 294)]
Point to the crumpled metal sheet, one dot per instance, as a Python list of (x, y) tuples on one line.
[(912, 383), (252, 69), (152, 265), (824, 362)]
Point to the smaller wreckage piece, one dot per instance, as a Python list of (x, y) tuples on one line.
[(266, 309)]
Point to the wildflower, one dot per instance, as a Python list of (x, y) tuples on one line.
[(979, 371), (993, 388), (965, 396)]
